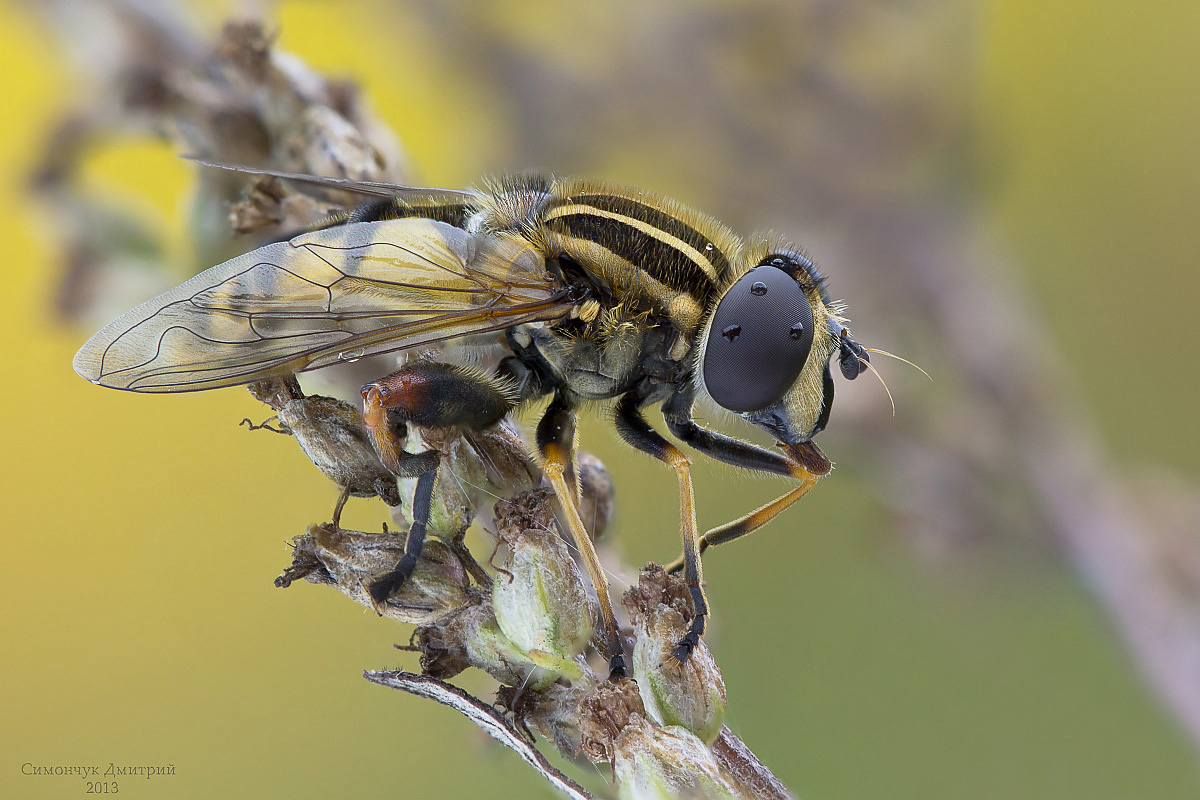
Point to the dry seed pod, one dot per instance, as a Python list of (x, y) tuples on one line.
[(604, 713), (351, 560), (552, 710), (331, 433), (691, 695)]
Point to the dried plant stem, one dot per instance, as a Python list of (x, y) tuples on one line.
[(495, 724)]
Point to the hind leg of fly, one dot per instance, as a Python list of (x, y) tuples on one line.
[(556, 443), (425, 393)]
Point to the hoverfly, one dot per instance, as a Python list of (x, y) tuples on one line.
[(579, 291)]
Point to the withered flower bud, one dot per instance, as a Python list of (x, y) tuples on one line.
[(332, 434), (604, 714), (666, 763), (553, 710), (691, 695), (352, 560)]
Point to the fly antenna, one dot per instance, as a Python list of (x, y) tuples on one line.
[(882, 382), (899, 358)]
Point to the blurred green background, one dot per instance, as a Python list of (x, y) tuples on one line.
[(140, 624)]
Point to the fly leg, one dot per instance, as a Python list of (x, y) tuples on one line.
[(430, 394), (803, 462), (755, 519), (634, 429), (556, 442)]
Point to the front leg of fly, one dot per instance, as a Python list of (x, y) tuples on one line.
[(428, 394), (804, 463)]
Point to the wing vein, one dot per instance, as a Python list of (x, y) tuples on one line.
[(363, 288)]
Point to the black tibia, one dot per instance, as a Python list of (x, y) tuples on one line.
[(727, 449), (382, 589), (429, 394), (634, 429), (556, 437), (677, 411), (556, 443)]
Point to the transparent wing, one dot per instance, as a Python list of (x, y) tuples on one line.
[(369, 188), (323, 297)]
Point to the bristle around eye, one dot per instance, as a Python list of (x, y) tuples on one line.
[(766, 249)]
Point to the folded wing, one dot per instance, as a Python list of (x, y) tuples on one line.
[(333, 295)]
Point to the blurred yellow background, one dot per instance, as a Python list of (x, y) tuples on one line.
[(140, 625)]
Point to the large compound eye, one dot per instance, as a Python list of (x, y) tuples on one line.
[(761, 334)]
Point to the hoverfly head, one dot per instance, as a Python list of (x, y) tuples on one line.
[(764, 352)]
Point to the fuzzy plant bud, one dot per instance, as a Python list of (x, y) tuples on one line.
[(652, 763), (691, 694), (541, 603), (472, 638)]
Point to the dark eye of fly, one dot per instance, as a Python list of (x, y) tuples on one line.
[(761, 334)]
